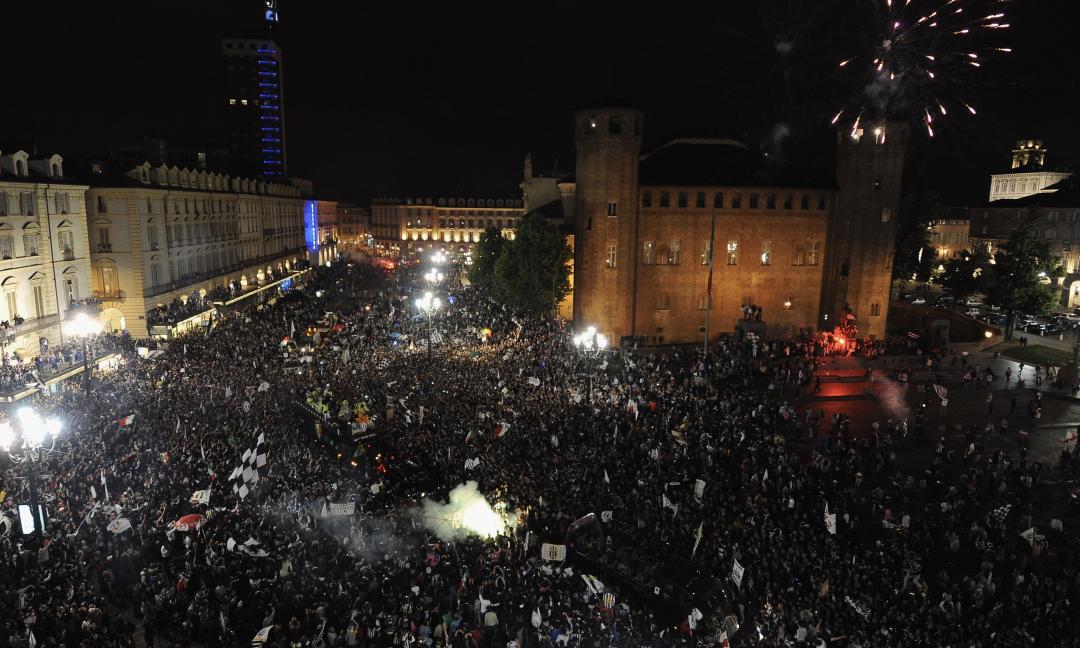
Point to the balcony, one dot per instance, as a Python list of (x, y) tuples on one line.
[(196, 277), (104, 247), (10, 330), (109, 295), (68, 254)]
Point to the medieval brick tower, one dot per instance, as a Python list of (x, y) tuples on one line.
[(862, 227), (608, 140)]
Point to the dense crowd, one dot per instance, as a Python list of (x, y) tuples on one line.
[(691, 511)]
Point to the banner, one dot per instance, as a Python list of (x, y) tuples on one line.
[(342, 508), (699, 488), (553, 552), (201, 497)]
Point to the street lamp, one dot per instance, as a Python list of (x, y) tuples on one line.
[(27, 443), (428, 305), (589, 346), (434, 277), (438, 257), (82, 326)]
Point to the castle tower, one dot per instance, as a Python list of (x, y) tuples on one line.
[(1029, 153), (862, 227), (608, 140)]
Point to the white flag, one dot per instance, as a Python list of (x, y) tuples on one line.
[(262, 635), (830, 520), (119, 525), (737, 572), (553, 552), (1029, 535), (606, 479), (201, 497), (699, 488), (593, 583), (697, 539)]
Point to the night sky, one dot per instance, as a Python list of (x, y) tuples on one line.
[(395, 99)]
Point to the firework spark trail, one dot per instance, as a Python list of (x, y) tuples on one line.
[(923, 48)]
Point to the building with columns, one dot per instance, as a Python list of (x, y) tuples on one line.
[(162, 233), (414, 225), (1028, 174), (44, 252), (671, 245)]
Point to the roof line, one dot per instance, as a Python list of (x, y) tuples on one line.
[(696, 140)]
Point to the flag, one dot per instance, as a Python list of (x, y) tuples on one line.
[(472, 463), (119, 525), (201, 497), (284, 341), (998, 515), (593, 583), (765, 476), (830, 520), (607, 480), (126, 421), (246, 475), (261, 637), (699, 488), (605, 516), (502, 428), (553, 552), (737, 572), (1029, 535), (697, 539), (941, 392), (1070, 436), (469, 436), (31, 640)]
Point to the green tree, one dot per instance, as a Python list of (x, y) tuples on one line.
[(914, 256), (1021, 277), (531, 274), (488, 250), (966, 275)]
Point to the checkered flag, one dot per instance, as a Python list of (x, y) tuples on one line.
[(318, 642), (998, 515), (245, 476)]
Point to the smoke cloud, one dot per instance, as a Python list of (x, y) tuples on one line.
[(467, 513)]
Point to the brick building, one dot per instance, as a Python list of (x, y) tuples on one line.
[(808, 249)]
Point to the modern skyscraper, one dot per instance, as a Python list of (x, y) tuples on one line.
[(255, 94)]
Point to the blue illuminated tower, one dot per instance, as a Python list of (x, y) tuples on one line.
[(255, 101)]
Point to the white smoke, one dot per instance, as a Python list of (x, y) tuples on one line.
[(467, 513)]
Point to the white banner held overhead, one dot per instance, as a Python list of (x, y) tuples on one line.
[(553, 552), (342, 508)]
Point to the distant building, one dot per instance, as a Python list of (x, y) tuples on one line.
[(678, 241), (1055, 217), (162, 233), (353, 228), (1028, 174), (326, 248), (415, 225), (950, 235), (44, 252), (255, 101)]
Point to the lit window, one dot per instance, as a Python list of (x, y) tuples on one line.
[(648, 253), (766, 253), (732, 253), (232, 102), (706, 252), (814, 248), (611, 258)]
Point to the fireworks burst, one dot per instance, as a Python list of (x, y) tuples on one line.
[(924, 49)]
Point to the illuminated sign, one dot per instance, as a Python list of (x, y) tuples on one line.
[(311, 225), (271, 11)]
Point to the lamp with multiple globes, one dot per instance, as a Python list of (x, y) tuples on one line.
[(27, 441), (428, 305), (589, 346), (82, 326), (434, 277)]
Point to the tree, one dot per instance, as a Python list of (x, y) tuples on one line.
[(914, 255), (1021, 277), (488, 250), (966, 275), (531, 274)]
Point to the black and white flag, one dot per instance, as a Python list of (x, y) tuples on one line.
[(245, 476)]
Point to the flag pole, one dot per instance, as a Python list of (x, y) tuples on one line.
[(708, 288)]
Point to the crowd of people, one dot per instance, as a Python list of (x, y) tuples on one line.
[(180, 309), (689, 508)]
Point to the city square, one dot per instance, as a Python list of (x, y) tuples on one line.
[(775, 373)]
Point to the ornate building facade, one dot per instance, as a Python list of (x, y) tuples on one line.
[(411, 226), (670, 246)]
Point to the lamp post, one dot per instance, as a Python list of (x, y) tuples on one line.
[(428, 305), (438, 258), (434, 277), (82, 326), (589, 346), (26, 443)]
